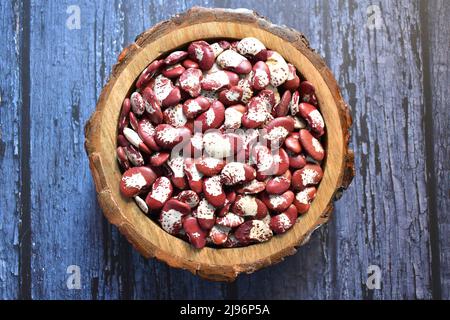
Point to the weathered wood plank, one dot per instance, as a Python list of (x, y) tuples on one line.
[(10, 115), (68, 228), (375, 50), (438, 34)]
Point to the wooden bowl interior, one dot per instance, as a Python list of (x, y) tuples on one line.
[(150, 238)]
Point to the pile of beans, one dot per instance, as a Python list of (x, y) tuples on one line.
[(221, 143)]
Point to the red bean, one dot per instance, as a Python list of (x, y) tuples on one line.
[(181, 147)]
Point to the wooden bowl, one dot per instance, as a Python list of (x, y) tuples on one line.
[(101, 131)]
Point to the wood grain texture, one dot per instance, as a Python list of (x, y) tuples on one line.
[(10, 115), (438, 33), (384, 219), (67, 226)]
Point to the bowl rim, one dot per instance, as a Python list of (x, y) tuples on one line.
[(147, 237)]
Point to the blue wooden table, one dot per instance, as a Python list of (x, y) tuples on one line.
[(391, 59)]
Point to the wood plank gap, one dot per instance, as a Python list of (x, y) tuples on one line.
[(429, 154), (231, 291), (25, 172)]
